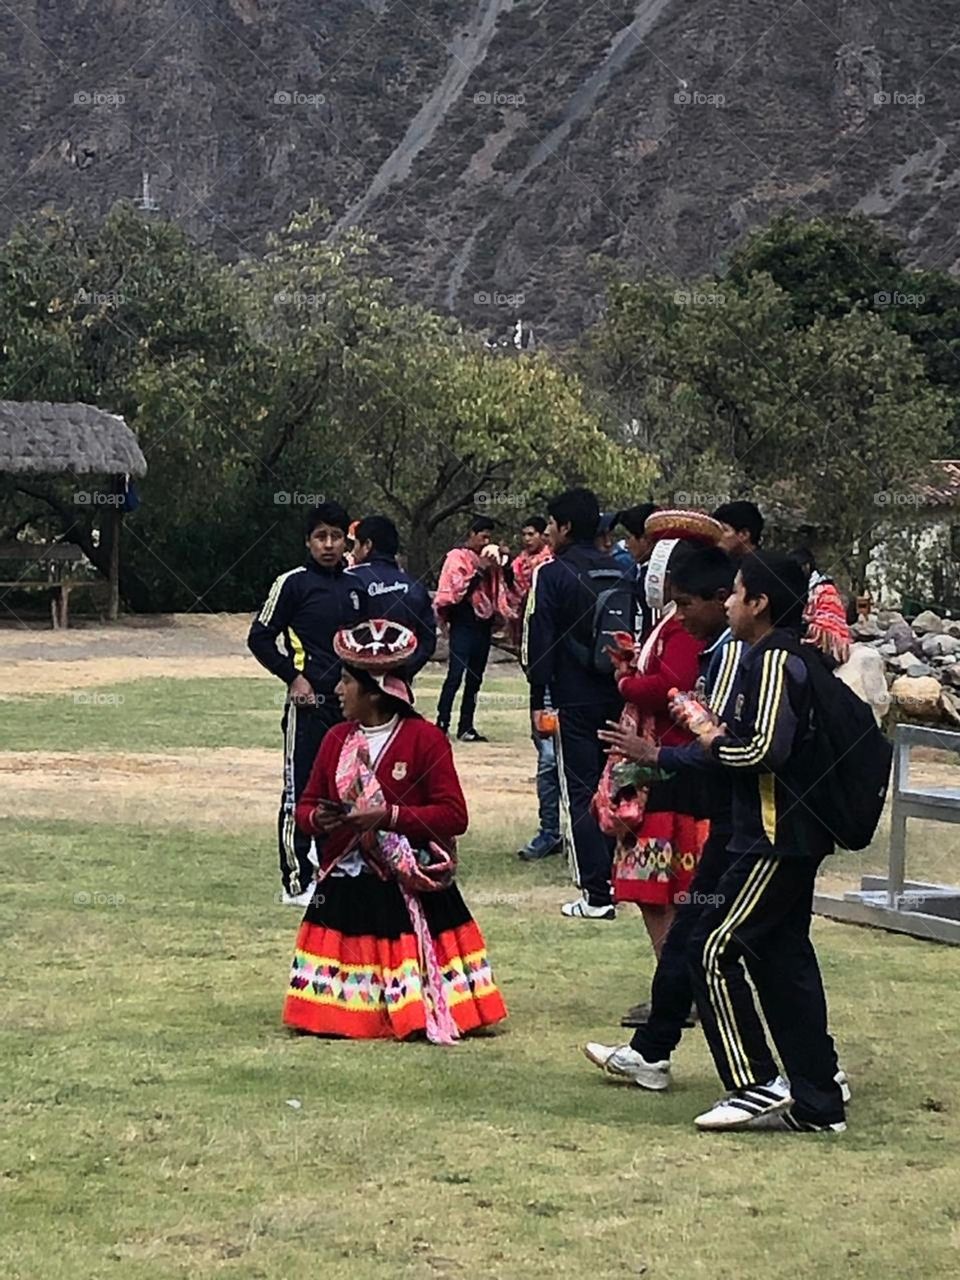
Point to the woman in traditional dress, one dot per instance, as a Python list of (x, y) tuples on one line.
[(387, 947), (660, 831)]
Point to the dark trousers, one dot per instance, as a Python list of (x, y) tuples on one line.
[(672, 992), (303, 729), (581, 761), (762, 916), (469, 650)]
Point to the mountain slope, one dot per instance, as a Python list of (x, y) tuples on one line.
[(494, 145)]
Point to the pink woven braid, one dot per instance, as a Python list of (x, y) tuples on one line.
[(441, 1027)]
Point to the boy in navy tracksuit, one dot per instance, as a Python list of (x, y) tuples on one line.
[(305, 608), (700, 582), (387, 591), (765, 895), (559, 616)]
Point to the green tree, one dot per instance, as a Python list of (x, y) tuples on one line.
[(865, 426), (832, 423), (831, 266), (826, 266), (442, 428)]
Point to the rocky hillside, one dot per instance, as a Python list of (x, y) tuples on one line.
[(494, 145)]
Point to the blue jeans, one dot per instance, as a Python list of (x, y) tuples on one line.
[(548, 786)]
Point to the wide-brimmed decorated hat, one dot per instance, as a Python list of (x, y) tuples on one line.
[(666, 529), (379, 647), (694, 526)]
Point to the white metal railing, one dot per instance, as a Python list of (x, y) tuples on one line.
[(939, 803)]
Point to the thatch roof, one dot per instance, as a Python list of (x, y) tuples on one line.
[(44, 439)]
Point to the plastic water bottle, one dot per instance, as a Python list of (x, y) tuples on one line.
[(689, 711)]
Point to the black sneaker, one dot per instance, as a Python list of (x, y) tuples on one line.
[(639, 1016), (471, 735)]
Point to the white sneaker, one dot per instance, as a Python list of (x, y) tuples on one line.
[(581, 909), (624, 1062), (744, 1105)]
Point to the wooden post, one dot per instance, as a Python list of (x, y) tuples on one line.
[(118, 489)]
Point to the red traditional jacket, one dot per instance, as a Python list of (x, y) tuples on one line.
[(416, 773), (673, 663)]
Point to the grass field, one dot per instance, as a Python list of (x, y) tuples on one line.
[(147, 1127)]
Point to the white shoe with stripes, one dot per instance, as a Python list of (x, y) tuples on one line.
[(738, 1109), (582, 909), (786, 1122)]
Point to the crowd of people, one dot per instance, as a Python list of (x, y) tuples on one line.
[(671, 706)]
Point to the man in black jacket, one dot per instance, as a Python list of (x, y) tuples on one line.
[(470, 637), (387, 591), (305, 608), (558, 632)]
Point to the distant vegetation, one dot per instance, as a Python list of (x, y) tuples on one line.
[(814, 373)]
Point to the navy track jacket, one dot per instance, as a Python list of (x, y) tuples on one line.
[(305, 608), (768, 755), (387, 591), (560, 605)]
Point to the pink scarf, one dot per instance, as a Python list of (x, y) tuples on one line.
[(392, 857), (491, 595), (524, 566)]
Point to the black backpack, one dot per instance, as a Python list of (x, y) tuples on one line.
[(849, 757), (615, 609)]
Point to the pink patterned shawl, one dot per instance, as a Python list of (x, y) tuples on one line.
[(489, 598)]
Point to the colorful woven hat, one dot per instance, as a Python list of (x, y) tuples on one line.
[(379, 647), (693, 526), (666, 529)]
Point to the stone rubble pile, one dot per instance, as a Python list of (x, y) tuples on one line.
[(922, 663)]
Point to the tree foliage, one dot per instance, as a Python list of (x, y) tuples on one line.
[(783, 380), (259, 387)]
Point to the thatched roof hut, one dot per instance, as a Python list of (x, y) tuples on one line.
[(38, 438), (45, 439)]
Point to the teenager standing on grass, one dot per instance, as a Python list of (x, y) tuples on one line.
[(472, 594), (765, 896), (548, 839), (700, 583), (387, 947), (558, 632), (536, 551), (657, 855), (304, 609)]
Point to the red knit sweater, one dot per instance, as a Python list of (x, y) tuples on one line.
[(674, 663), (416, 773)]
